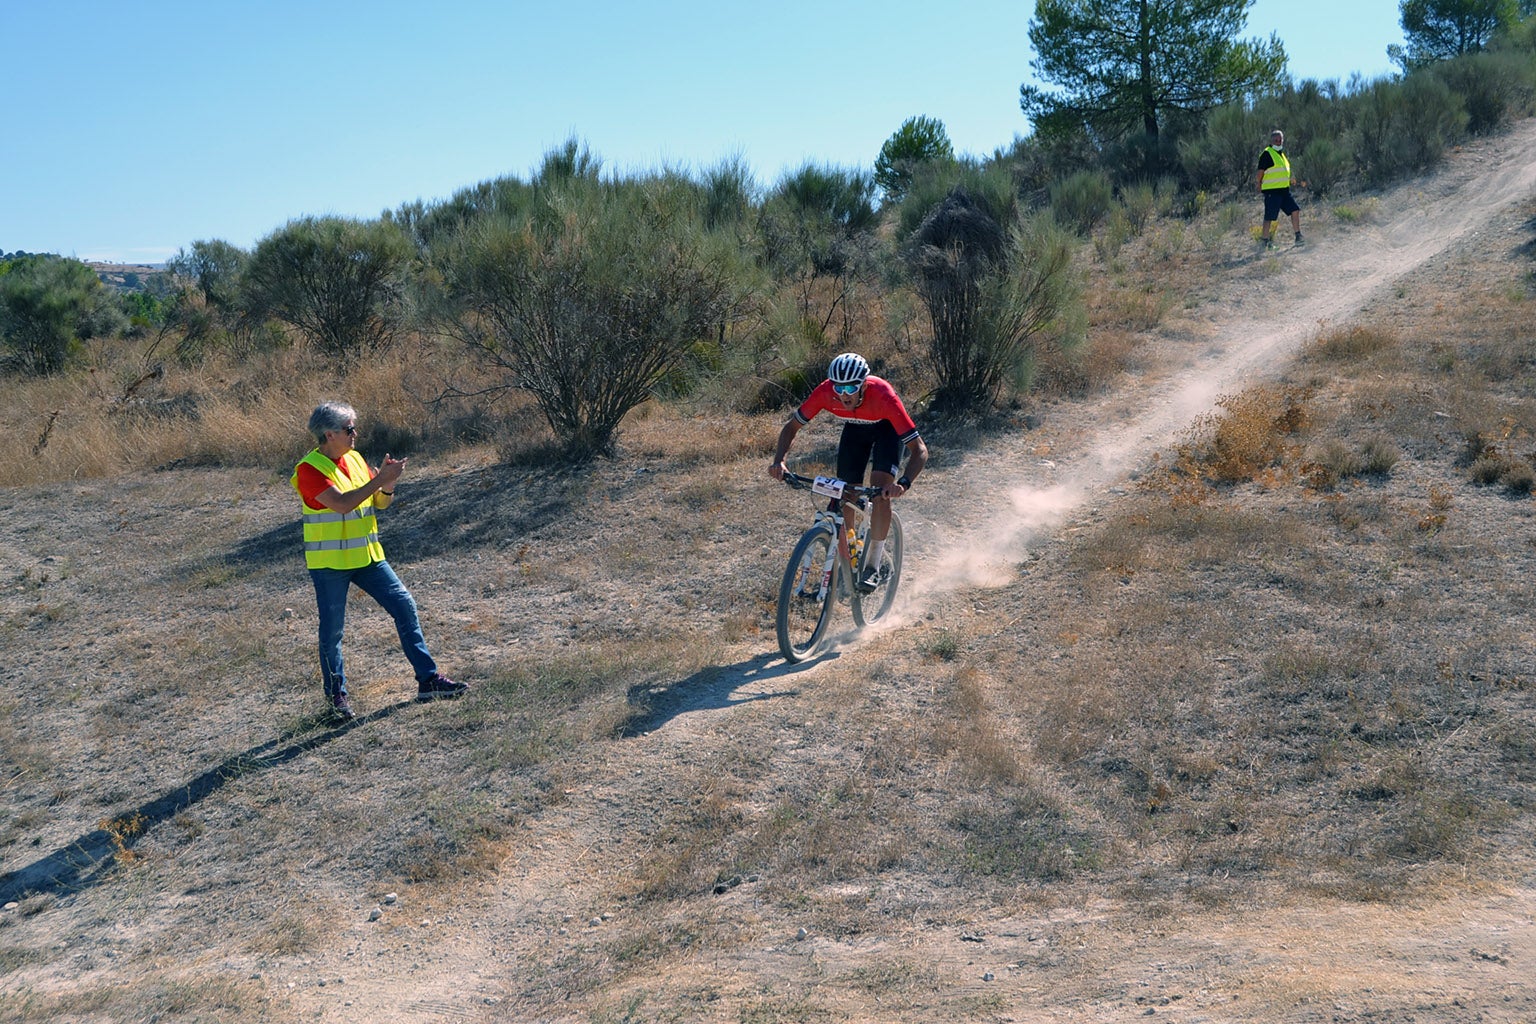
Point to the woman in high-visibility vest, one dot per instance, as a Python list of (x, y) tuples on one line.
[(341, 493), (1275, 186)]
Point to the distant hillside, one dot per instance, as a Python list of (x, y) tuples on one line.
[(128, 277)]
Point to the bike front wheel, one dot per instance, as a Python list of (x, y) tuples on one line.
[(871, 607), (808, 594)]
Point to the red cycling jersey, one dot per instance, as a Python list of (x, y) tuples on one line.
[(880, 403)]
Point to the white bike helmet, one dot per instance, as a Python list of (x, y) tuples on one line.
[(848, 368)]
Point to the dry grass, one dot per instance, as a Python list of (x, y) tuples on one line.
[(215, 999), (129, 412), (1291, 666)]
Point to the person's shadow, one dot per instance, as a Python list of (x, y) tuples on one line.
[(85, 861), (711, 688)]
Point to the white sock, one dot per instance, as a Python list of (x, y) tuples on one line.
[(876, 553)]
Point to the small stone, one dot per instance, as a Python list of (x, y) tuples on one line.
[(988, 976), (375, 913), (390, 898), (801, 934)]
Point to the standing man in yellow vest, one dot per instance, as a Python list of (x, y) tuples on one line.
[(341, 493), (1275, 186)]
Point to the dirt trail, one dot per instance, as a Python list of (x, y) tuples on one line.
[(1064, 967), (1261, 320)]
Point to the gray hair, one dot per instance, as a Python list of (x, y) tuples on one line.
[(330, 416), (1277, 132)]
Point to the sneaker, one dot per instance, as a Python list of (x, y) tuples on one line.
[(873, 576), (341, 709), (1298, 238), (1269, 243), (439, 687)]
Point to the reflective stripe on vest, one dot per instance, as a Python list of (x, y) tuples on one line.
[(1278, 175), (340, 545), (337, 540)]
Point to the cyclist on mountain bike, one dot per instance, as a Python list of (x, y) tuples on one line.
[(875, 423)]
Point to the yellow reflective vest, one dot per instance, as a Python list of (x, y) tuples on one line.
[(333, 540), (1278, 175)]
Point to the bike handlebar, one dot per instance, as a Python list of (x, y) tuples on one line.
[(862, 492)]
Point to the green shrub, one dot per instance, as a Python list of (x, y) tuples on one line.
[(1082, 200), (1226, 157), (48, 305), (991, 188), (337, 280), (589, 297), (729, 193), (1404, 127), (990, 288), (214, 267), (1138, 201), (1116, 233), (1324, 166), (816, 228), (1492, 86)]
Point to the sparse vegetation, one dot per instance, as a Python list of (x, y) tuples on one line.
[(1287, 671)]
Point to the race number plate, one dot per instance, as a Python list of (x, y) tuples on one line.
[(831, 486)]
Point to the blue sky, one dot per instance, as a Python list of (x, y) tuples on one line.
[(136, 127)]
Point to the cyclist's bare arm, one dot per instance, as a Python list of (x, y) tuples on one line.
[(917, 458), (786, 438)]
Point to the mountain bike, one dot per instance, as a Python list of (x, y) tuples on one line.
[(822, 571)]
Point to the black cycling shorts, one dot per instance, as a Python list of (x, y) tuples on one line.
[(860, 442)]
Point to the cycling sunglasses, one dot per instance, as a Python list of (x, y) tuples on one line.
[(847, 389)]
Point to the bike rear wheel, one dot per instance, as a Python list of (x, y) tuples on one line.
[(805, 606), (870, 608)]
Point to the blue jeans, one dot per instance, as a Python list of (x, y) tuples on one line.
[(379, 582)]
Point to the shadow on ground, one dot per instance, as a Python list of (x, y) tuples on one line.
[(469, 510), (86, 861), (711, 689)]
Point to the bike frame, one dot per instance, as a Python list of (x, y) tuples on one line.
[(844, 533)]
